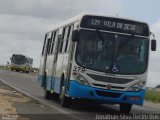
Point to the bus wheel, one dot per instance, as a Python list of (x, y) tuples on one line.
[(48, 94), (125, 108), (64, 101)]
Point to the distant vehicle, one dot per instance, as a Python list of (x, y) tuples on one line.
[(21, 63), (98, 58)]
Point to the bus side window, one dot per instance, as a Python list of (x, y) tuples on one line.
[(75, 26), (62, 40), (69, 38), (44, 44), (54, 51), (65, 39), (31, 61), (52, 43), (49, 45), (26, 60), (59, 42)]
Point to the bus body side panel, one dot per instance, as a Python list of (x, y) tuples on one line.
[(61, 67), (41, 74), (49, 72), (57, 84), (58, 75)]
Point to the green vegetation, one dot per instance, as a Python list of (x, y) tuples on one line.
[(4, 67), (32, 71), (153, 96)]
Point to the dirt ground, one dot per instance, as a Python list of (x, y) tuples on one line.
[(17, 106), (7, 97)]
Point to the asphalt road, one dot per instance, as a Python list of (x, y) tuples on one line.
[(29, 84)]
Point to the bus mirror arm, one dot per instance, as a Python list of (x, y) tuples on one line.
[(75, 36), (153, 45)]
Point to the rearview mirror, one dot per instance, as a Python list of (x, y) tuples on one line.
[(153, 45), (75, 36)]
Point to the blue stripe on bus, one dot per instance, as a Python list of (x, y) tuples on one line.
[(53, 83), (86, 92), (56, 86)]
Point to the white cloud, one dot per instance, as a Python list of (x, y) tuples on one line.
[(25, 26), (155, 56), (57, 8), (154, 69), (22, 35), (156, 28), (31, 48), (153, 79), (23, 23)]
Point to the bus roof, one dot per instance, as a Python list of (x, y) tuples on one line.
[(80, 16), (22, 55), (67, 22)]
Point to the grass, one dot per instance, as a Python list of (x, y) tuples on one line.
[(4, 68), (8, 68), (153, 96)]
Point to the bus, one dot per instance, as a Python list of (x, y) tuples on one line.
[(21, 63), (83, 58)]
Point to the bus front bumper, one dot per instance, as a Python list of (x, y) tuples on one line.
[(109, 96), (19, 68)]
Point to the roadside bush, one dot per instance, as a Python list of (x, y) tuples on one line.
[(152, 95)]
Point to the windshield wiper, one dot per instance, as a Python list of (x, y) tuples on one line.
[(102, 38), (108, 68), (120, 47), (124, 44), (100, 35), (129, 39)]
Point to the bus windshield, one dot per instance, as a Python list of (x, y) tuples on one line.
[(17, 59), (115, 53)]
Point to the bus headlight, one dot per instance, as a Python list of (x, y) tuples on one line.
[(137, 87), (81, 80)]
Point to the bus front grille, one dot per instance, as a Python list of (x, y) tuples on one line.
[(108, 94), (104, 86), (110, 79)]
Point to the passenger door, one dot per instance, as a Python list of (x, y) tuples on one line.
[(42, 72), (55, 44)]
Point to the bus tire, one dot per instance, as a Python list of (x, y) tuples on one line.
[(125, 108), (64, 101), (48, 94)]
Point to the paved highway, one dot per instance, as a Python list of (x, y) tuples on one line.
[(28, 84)]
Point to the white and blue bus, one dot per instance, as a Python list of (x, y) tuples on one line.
[(99, 58)]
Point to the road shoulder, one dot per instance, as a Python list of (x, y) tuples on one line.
[(15, 105)]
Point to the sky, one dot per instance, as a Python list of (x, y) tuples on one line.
[(23, 24)]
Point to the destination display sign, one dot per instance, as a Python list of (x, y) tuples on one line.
[(115, 25)]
